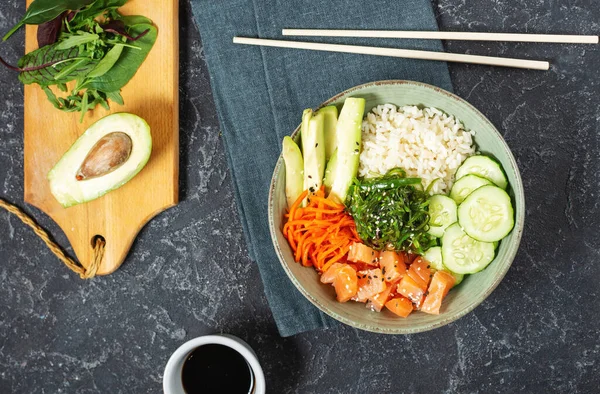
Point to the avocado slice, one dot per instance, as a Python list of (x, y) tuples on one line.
[(313, 143), (330, 172), (348, 137), (294, 170), (110, 152), (330, 120)]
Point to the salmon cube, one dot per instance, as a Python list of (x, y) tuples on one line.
[(361, 253), (392, 265), (400, 306), (370, 283), (440, 285), (377, 302), (345, 283), (420, 272), (411, 290), (329, 275)]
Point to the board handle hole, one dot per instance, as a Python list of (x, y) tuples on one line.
[(97, 238)]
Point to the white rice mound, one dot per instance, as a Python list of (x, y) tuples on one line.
[(426, 143)]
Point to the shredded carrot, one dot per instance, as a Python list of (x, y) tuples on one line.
[(319, 233)]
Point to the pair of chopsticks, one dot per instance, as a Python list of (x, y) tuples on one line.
[(417, 54)]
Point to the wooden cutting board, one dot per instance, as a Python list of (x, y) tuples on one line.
[(151, 94)]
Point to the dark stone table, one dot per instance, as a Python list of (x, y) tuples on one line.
[(188, 274)]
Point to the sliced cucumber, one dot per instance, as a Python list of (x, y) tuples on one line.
[(487, 214), (484, 167), (465, 186), (442, 213), (462, 254), (434, 256)]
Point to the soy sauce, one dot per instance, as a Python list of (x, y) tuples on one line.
[(216, 369)]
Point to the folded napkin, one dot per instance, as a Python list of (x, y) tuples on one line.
[(260, 94)]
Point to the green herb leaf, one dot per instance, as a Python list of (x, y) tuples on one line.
[(133, 20), (77, 40), (97, 7), (43, 65), (71, 68), (129, 62), (84, 106), (107, 62), (51, 97), (42, 11), (115, 97)]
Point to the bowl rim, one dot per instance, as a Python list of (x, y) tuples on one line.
[(518, 228)]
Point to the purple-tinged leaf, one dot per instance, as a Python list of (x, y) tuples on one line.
[(71, 15), (10, 66), (118, 27), (47, 33)]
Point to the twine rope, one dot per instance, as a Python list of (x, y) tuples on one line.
[(99, 244)]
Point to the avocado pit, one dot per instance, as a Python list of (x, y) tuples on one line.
[(109, 153)]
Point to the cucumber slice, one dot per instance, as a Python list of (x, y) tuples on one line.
[(487, 214), (442, 213), (434, 256), (484, 167), (462, 254), (465, 186)]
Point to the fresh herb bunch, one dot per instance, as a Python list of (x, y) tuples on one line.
[(391, 212), (87, 42)]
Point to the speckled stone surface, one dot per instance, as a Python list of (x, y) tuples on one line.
[(188, 274)]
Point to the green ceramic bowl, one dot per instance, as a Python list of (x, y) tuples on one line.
[(475, 288)]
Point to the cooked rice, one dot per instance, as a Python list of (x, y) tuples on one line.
[(426, 143)]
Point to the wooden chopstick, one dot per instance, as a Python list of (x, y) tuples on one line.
[(445, 35), (393, 52)]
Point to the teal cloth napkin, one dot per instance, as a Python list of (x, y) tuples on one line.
[(260, 94)]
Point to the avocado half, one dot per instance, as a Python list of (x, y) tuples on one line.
[(87, 170)]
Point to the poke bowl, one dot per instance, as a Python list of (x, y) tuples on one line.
[(407, 101)]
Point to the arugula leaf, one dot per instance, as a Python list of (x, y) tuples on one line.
[(76, 40), (84, 106), (51, 97), (132, 20), (116, 97), (72, 67), (41, 11), (97, 7), (129, 62), (107, 62)]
